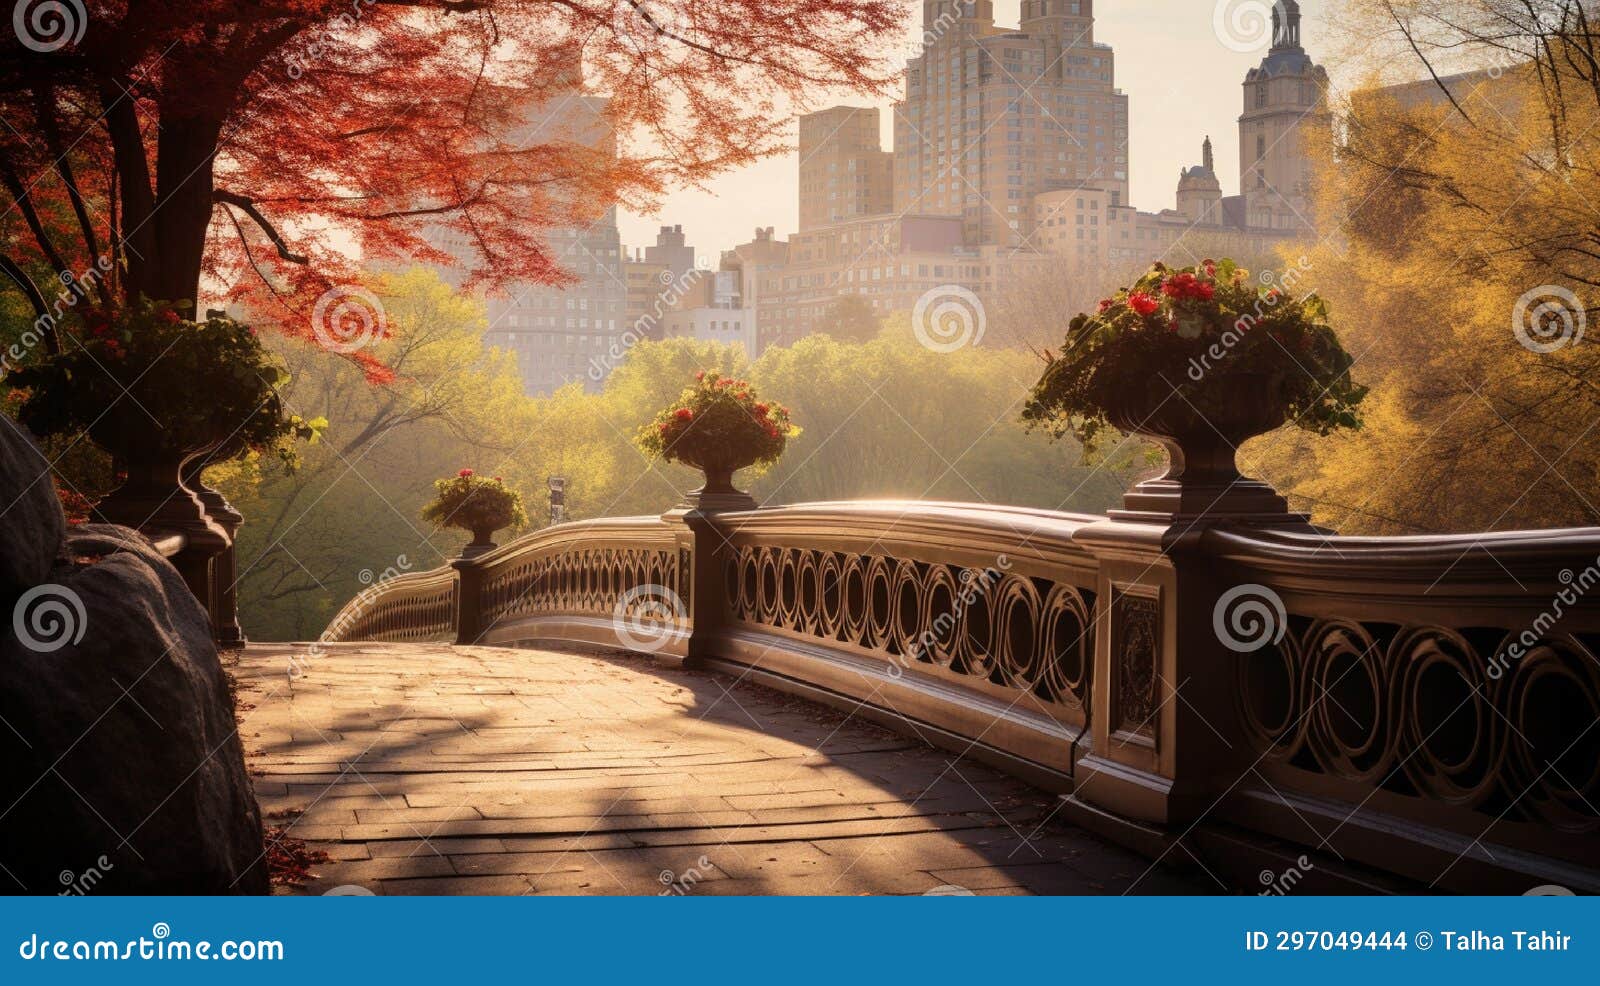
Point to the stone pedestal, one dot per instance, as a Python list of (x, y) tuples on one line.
[(1165, 746), (718, 494), (154, 500)]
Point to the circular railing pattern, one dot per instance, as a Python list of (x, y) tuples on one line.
[(1027, 634), (1433, 712), (575, 582)]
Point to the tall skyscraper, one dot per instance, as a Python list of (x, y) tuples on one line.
[(993, 117), (558, 333), (845, 173), (1285, 99)]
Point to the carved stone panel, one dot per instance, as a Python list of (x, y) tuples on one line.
[(1135, 647)]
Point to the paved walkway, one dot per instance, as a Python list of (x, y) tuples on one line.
[(474, 770)]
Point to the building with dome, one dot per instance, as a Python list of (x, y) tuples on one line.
[(1285, 100), (1011, 156)]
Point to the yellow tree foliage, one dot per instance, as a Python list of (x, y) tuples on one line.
[(1463, 272)]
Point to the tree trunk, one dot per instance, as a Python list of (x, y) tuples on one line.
[(185, 165)]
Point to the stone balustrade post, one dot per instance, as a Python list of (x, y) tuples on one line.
[(469, 600), (703, 557), (1165, 741)]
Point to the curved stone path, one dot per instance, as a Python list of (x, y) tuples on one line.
[(473, 770)]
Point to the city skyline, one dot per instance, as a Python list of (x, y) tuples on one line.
[(1169, 117)]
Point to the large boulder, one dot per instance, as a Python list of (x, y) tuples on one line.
[(121, 767), (31, 524)]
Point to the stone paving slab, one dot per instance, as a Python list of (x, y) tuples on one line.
[(429, 769)]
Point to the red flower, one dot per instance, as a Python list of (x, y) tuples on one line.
[(170, 317), (725, 382), (1206, 292), (498, 479), (684, 414), (1143, 303), (1105, 305), (762, 409), (701, 375), (464, 473)]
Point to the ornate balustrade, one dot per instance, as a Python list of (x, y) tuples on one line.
[(584, 583), (1449, 684), (1415, 706), (975, 623), (417, 606)]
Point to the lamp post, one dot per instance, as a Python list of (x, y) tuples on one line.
[(558, 499)]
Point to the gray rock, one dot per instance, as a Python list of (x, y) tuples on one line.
[(122, 759), (31, 522)]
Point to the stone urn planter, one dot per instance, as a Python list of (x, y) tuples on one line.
[(719, 426), (1201, 431), (479, 505), (1199, 360)]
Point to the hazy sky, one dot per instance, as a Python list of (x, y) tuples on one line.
[(1182, 84)]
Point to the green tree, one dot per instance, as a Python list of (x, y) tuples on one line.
[(353, 504), (851, 318)]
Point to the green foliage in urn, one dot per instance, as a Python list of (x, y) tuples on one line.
[(472, 503), (147, 382), (1195, 336), (719, 424)]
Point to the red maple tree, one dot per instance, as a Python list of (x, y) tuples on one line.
[(246, 147)]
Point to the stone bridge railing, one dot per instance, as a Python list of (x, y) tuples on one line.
[(1420, 707)]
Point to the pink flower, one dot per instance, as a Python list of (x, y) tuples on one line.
[(464, 473)]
